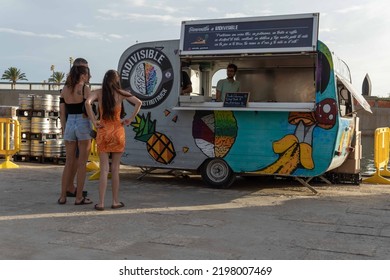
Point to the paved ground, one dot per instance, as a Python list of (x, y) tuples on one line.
[(178, 218)]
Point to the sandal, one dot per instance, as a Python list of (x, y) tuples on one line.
[(120, 205), (61, 202), (84, 201), (99, 208)]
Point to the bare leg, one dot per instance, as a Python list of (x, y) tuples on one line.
[(71, 187), (84, 149), (70, 147), (116, 157), (104, 169)]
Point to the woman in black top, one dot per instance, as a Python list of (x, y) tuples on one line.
[(76, 131)]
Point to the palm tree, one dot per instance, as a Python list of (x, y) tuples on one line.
[(13, 74), (57, 77)]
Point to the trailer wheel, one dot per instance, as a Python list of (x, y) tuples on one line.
[(216, 173)]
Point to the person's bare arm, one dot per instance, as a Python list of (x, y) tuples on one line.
[(137, 107), (187, 90), (92, 96), (62, 114), (218, 95)]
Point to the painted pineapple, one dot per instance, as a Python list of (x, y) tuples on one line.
[(158, 144)]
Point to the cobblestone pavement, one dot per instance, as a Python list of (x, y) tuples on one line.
[(176, 217)]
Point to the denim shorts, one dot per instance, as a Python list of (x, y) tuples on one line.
[(78, 127)]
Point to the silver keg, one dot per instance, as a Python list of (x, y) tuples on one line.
[(40, 125), (55, 125), (53, 148), (24, 147), (43, 102), (25, 101), (56, 103), (36, 148), (25, 124)]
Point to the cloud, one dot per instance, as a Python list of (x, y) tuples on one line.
[(328, 30), (349, 9), (106, 14), (154, 6), (137, 3), (116, 36), (30, 34), (95, 35), (82, 26), (235, 15), (213, 9)]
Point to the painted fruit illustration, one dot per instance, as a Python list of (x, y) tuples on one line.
[(296, 150), (214, 132), (158, 144)]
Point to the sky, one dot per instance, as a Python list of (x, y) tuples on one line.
[(37, 34)]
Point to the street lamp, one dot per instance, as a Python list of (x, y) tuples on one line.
[(70, 62), (52, 69)]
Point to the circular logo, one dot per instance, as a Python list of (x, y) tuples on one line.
[(147, 73)]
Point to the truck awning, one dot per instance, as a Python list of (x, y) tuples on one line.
[(359, 98)]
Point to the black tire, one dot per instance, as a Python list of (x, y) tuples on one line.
[(216, 173)]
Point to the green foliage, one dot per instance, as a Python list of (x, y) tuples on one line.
[(13, 75), (57, 77)]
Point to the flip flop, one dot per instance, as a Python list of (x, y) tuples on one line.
[(99, 208), (61, 202), (84, 201), (120, 205)]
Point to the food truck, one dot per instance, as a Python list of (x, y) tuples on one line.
[(295, 114)]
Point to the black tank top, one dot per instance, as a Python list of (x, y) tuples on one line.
[(75, 108)]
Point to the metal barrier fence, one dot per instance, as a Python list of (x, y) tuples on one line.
[(93, 164), (38, 86), (9, 141), (381, 157)]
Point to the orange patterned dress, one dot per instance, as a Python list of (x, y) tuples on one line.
[(111, 137)]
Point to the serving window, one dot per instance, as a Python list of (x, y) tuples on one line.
[(275, 82), (278, 84)]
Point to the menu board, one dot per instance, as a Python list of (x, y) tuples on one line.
[(250, 35), (236, 99)]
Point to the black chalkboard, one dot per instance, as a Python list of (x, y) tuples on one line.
[(250, 35), (236, 99)]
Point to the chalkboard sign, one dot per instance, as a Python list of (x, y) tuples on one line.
[(293, 33), (236, 99)]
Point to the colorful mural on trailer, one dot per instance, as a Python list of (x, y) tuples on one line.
[(214, 132), (285, 143), (296, 150)]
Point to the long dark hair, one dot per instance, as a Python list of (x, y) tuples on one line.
[(110, 86), (74, 76)]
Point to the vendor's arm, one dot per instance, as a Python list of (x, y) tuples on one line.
[(187, 84), (218, 91)]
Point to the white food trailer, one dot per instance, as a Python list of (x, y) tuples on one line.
[(295, 114)]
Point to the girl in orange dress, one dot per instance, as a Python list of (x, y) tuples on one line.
[(110, 132)]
